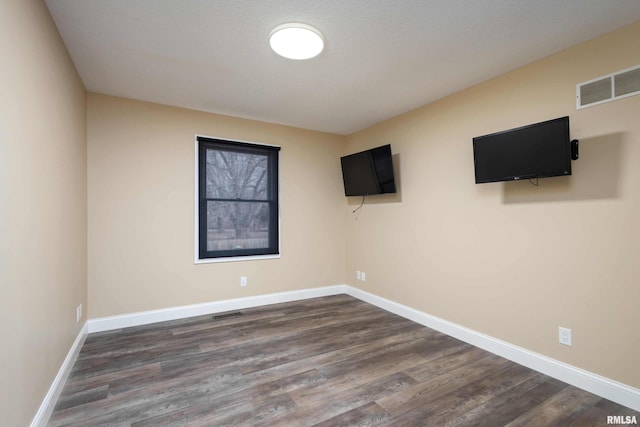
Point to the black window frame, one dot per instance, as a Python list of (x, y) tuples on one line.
[(272, 153)]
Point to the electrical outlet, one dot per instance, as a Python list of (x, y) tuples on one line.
[(363, 277), (564, 336), (243, 281), (358, 275), (78, 313)]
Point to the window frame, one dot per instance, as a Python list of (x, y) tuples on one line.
[(201, 255)]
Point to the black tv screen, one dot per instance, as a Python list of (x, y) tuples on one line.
[(536, 151), (368, 172)]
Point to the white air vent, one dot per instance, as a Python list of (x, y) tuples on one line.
[(607, 88)]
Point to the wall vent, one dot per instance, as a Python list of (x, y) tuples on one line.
[(620, 84)]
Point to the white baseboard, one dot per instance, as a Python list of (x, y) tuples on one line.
[(593, 383), (153, 316), (48, 404)]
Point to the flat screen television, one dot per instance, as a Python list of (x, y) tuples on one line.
[(539, 150), (368, 172)]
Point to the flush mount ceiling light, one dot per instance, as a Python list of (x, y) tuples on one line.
[(296, 41)]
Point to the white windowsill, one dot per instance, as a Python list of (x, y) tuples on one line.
[(235, 258)]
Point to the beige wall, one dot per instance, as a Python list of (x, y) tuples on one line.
[(42, 206), (141, 209), (508, 259)]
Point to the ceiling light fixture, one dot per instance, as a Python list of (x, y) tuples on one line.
[(296, 41)]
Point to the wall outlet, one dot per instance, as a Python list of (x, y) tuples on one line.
[(564, 336), (78, 313), (359, 275), (243, 281), (363, 277)]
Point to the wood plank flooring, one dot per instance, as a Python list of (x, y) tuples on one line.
[(332, 361)]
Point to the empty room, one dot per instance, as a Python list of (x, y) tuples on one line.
[(331, 213)]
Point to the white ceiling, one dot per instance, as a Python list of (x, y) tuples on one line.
[(382, 57)]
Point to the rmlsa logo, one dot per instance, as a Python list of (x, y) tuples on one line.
[(622, 419)]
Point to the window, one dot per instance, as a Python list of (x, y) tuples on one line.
[(237, 199)]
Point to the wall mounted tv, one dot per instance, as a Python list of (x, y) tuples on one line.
[(368, 172), (539, 150)]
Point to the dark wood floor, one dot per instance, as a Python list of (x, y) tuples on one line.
[(333, 361)]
